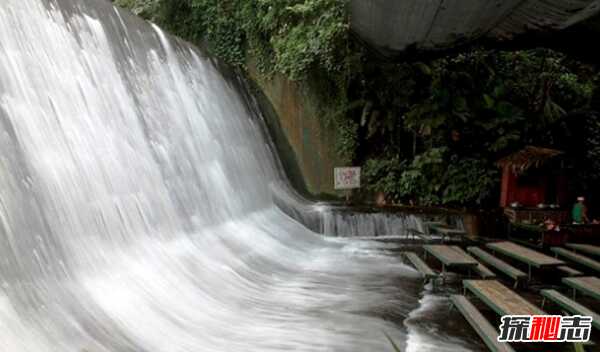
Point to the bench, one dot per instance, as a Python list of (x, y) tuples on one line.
[(447, 232), (570, 271), (589, 285), (484, 272), (498, 264), (577, 258), (570, 306), (480, 324), (523, 254), (501, 299), (451, 257), (422, 267), (584, 248)]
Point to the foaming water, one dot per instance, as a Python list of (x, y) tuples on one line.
[(420, 332), (136, 211)]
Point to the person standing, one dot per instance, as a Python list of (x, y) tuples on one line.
[(579, 213)]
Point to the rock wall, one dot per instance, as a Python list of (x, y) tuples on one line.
[(305, 136)]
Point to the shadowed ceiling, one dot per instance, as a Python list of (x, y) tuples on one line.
[(393, 26)]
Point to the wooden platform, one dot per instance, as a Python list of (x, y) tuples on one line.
[(451, 256), (577, 258), (584, 248), (529, 256), (425, 271), (571, 306), (485, 330), (500, 298), (497, 264), (448, 233), (588, 285), (568, 271), (524, 254), (484, 272)]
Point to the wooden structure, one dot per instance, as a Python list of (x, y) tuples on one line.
[(584, 248), (451, 257), (577, 258), (485, 330), (498, 264), (528, 256), (533, 215), (526, 179), (534, 186), (501, 299), (568, 271), (447, 232), (588, 285), (484, 272), (425, 271), (570, 306), (530, 230), (583, 233)]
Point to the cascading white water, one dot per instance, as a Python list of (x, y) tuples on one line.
[(135, 206)]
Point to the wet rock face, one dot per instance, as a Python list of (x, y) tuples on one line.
[(312, 142), (395, 25)]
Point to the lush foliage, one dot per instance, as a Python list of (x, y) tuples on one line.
[(463, 112), (287, 36), (427, 131)]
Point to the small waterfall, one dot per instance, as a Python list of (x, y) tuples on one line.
[(347, 223)]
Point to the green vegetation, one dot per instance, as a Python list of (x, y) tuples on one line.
[(286, 36), (427, 131), (464, 112)]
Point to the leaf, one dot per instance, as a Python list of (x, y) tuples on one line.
[(424, 68), (489, 101)]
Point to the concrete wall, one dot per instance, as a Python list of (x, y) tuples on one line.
[(305, 135)]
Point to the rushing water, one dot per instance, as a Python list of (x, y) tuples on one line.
[(136, 209)]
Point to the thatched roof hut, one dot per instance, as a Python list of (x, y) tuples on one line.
[(528, 181), (531, 156)]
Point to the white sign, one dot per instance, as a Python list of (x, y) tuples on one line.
[(346, 177)]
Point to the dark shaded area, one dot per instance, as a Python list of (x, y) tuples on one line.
[(397, 28)]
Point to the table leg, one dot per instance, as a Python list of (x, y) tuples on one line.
[(443, 274)]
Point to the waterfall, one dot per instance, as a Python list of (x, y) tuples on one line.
[(136, 207)]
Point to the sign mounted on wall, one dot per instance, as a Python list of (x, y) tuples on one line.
[(346, 178)]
